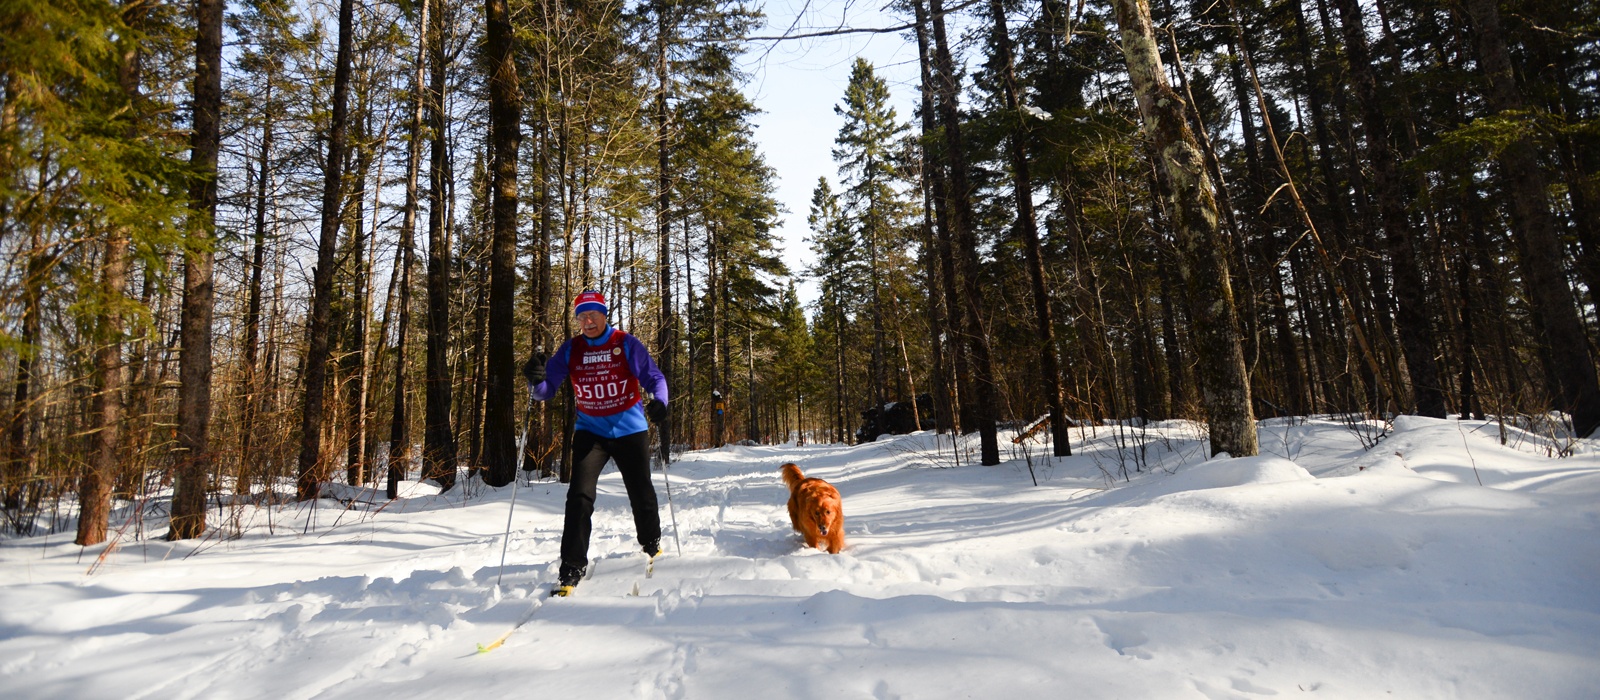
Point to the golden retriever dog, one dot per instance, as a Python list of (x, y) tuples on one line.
[(815, 509)]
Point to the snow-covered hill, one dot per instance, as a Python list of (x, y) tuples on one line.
[(1438, 564)]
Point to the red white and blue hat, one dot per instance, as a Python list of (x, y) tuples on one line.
[(589, 300)]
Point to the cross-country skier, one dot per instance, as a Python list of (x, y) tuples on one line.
[(608, 369)]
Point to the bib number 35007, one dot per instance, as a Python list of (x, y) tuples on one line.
[(601, 391)]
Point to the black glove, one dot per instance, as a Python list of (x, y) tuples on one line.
[(657, 411), (533, 369)]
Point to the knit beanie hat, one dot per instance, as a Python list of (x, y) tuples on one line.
[(589, 300)]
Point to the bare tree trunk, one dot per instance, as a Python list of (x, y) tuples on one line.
[(666, 341), (948, 397), (20, 458), (94, 491), (372, 344), (355, 353), (439, 441), (252, 321), (841, 433), (474, 354), (1534, 230), (505, 113), (752, 431), (399, 425), (194, 366), (14, 457), (1202, 262), (961, 223), (1468, 338), (312, 469), (543, 328)]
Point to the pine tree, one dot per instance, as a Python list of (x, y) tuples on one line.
[(1027, 227), (1539, 249), (795, 366), (875, 210), (838, 271)]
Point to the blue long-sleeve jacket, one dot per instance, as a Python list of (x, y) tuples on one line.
[(643, 366)]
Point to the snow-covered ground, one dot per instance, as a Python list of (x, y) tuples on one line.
[(1438, 564)]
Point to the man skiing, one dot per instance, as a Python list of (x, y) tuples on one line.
[(608, 369)]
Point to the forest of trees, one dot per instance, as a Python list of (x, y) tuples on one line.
[(250, 249)]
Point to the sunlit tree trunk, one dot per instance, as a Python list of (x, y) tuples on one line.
[(250, 393), (312, 469), (505, 114), (438, 441), (1202, 261), (399, 424), (194, 365), (95, 486)]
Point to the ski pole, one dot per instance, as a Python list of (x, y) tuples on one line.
[(665, 455), (521, 443)]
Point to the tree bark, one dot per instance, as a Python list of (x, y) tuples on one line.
[(194, 366), (94, 488), (251, 403), (961, 223), (439, 440), (355, 352), (1202, 261), (666, 340), (938, 186), (505, 113), (399, 424), (312, 469), (21, 458)]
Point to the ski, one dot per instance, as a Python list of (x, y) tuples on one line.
[(491, 646), (557, 591)]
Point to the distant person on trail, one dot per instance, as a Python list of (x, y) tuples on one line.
[(608, 369)]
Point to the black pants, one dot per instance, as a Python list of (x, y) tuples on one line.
[(589, 455)]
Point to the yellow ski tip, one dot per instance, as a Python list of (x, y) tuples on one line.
[(484, 649), (562, 591)]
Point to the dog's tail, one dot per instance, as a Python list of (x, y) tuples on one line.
[(792, 475)]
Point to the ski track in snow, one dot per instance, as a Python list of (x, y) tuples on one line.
[(1319, 568)]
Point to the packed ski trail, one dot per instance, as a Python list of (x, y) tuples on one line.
[(1323, 570)]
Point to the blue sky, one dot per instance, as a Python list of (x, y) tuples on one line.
[(796, 84)]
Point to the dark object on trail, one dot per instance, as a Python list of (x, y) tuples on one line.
[(896, 418)]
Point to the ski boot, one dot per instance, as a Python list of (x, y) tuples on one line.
[(568, 579)]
